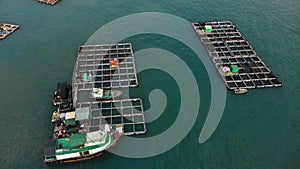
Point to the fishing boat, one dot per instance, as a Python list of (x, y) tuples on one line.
[(63, 96), (240, 91), (101, 94), (81, 146)]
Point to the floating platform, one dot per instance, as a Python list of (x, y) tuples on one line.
[(7, 29), (233, 56), (94, 69), (108, 66), (50, 2), (127, 112)]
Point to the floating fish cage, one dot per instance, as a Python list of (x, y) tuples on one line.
[(233, 56), (105, 66), (108, 66), (50, 2), (126, 112), (7, 29)]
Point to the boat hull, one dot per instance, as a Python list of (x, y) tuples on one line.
[(83, 157), (76, 159)]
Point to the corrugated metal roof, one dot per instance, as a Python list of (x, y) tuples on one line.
[(49, 150)]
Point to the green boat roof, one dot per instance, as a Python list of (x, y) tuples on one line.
[(108, 139), (71, 142), (77, 140)]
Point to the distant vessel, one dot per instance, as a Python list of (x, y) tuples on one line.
[(240, 91), (81, 146), (101, 94)]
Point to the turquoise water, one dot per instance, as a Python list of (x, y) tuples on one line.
[(257, 130)]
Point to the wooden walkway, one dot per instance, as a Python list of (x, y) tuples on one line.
[(233, 56), (7, 29)]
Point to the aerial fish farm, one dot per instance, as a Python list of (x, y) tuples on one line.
[(108, 66), (7, 29), (233, 56)]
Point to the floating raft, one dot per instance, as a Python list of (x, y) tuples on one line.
[(235, 59), (94, 69), (108, 66), (50, 2), (7, 29), (127, 112)]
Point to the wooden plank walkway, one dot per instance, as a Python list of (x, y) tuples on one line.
[(7, 29), (229, 50)]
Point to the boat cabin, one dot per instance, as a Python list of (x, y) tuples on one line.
[(63, 96)]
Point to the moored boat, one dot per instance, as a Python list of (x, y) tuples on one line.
[(101, 94), (240, 91), (63, 96), (81, 146)]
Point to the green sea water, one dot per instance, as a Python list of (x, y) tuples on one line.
[(258, 130)]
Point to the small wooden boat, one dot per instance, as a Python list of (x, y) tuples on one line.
[(62, 97), (240, 91), (101, 94), (63, 94)]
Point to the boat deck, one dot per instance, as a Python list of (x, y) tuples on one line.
[(7, 29), (227, 47), (50, 2)]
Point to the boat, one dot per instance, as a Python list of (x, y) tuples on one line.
[(74, 139), (240, 91), (63, 96), (100, 94), (81, 146)]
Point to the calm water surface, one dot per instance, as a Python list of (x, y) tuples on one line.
[(257, 130)]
